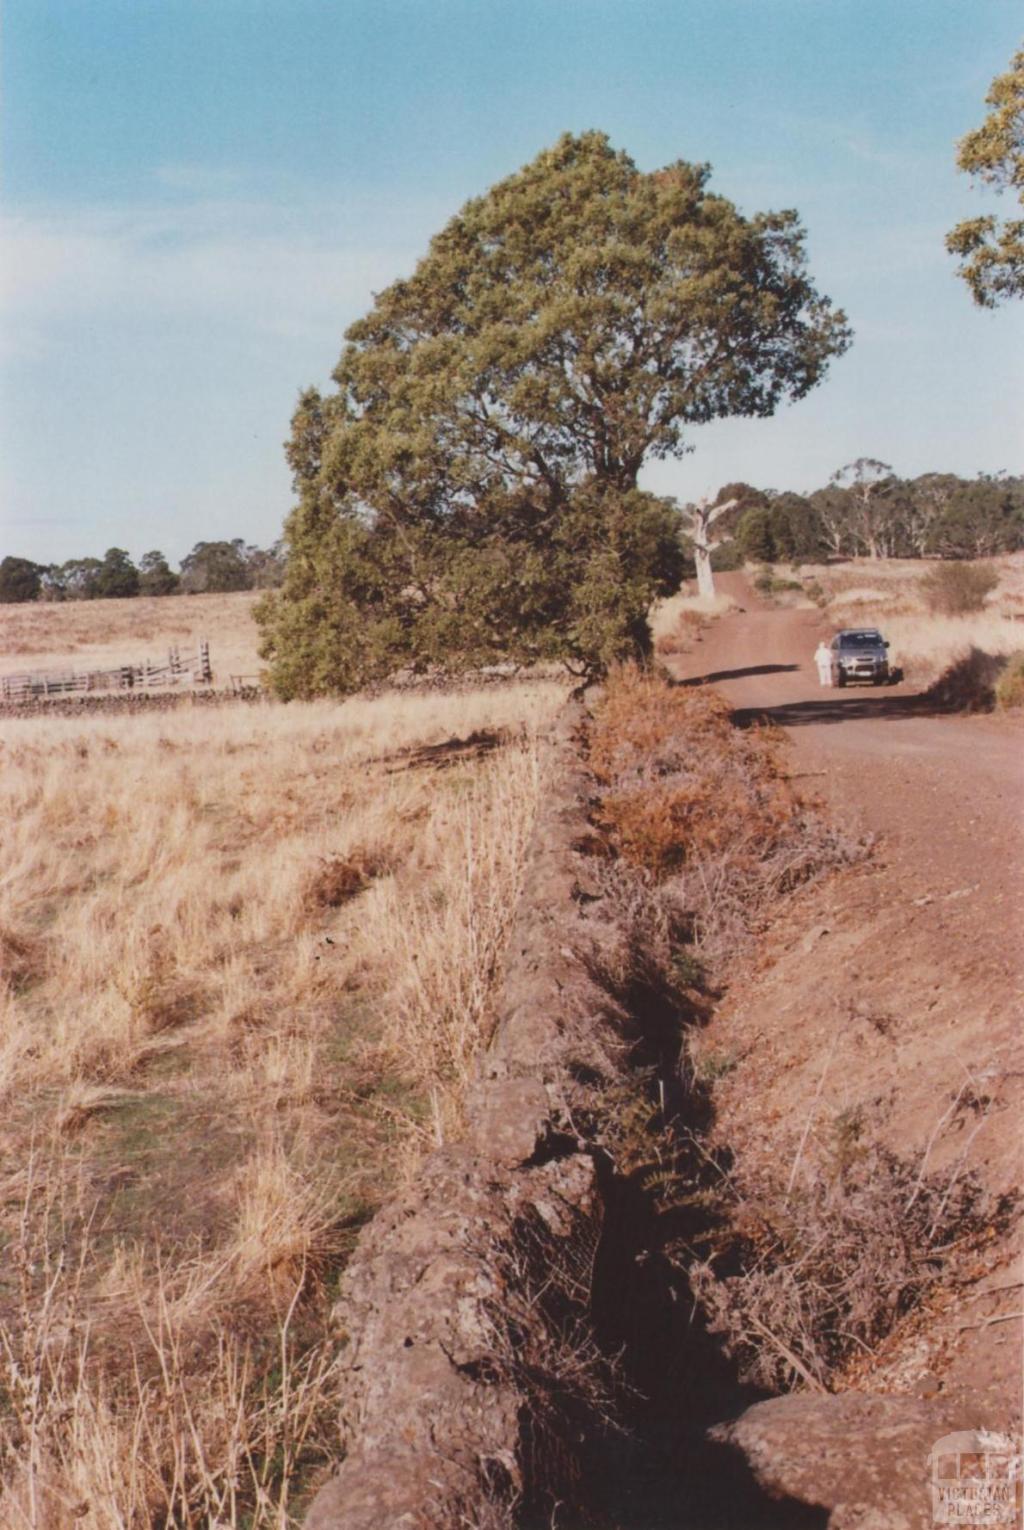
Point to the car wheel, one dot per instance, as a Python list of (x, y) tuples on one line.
[(840, 679)]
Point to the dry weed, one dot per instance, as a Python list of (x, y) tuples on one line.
[(680, 637), (21, 959), (340, 877), (448, 947), (956, 589), (815, 1270), (703, 806), (969, 683)]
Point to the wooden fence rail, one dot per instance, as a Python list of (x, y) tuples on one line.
[(190, 668)]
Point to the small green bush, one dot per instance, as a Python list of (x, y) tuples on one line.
[(767, 582), (727, 557), (1009, 687), (955, 589)]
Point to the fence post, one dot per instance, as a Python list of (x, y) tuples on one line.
[(205, 672)]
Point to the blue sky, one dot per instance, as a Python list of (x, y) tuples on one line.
[(198, 197)]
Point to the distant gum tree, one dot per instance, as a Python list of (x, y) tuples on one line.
[(20, 580), (216, 567), (469, 494), (77, 578), (992, 252), (869, 486), (117, 576), (156, 577)]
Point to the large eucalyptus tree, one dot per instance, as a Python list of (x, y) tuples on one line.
[(470, 491)]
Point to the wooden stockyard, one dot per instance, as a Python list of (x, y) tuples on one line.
[(180, 669)]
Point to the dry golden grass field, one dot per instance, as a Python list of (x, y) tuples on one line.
[(248, 957), (98, 634)]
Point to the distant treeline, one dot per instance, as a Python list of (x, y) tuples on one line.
[(866, 510), (209, 567)]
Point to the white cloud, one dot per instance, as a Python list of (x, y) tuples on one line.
[(273, 269)]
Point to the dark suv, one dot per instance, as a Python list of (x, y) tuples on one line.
[(860, 653)]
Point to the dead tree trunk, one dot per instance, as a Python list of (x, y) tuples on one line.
[(700, 520)]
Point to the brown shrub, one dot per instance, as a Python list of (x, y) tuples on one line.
[(797, 1266), (20, 958), (954, 589), (1009, 688), (704, 807), (968, 684), (340, 878), (682, 781)]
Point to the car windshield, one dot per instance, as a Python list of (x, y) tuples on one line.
[(860, 640)]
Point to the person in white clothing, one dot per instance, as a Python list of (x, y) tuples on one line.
[(823, 659)]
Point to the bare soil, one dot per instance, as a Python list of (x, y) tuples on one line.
[(889, 997)]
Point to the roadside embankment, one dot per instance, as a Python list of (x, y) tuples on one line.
[(465, 1306), (519, 1325)]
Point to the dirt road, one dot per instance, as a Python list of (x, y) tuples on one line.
[(893, 992), (946, 792)]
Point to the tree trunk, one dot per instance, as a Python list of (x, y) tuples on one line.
[(702, 517), (705, 577)]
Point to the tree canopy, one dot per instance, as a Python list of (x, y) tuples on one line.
[(19, 580), (470, 491), (156, 577), (992, 252), (868, 510), (215, 566), (117, 576)]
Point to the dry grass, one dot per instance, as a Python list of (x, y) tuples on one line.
[(889, 593), (84, 634), (680, 621), (677, 622), (248, 959), (183, 1423)]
